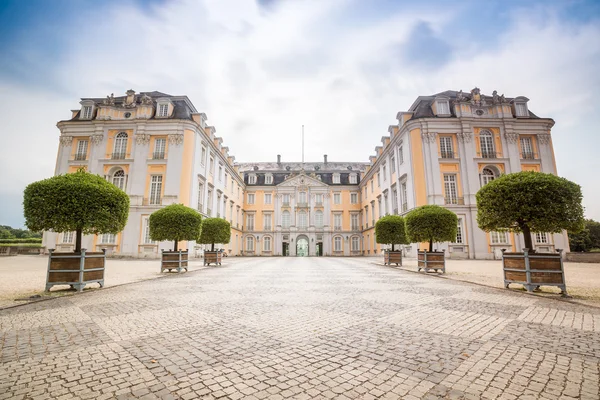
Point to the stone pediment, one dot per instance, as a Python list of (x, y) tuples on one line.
[(301, 180)]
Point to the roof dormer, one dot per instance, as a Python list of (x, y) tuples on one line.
[(164, 107), (520, 108), (441, 106), (88, 107)]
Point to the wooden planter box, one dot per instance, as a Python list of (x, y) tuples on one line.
[(435, 260), (75, 269), (533, 270), (174, 260), (392, 257), (212, 257)]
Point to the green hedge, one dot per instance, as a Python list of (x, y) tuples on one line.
[(16, 241), (20, 245)]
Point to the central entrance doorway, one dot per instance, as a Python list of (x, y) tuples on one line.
[(319, 249), (302, 247)]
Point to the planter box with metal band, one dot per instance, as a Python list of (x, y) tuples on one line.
[(75, 269), (435, 260), (212, 257), (533, 270), (392, 257), (174, 260)]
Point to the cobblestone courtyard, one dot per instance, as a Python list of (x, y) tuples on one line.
[(274, 328)]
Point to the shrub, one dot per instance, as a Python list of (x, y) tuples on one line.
[(17, 241), (391, 229), (80, 202), (175, 222), (215, 230), (530, 202), (431, 223)]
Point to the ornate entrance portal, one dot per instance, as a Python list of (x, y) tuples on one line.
[(302, 247)]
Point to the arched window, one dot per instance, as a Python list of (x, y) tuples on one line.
[(486, 140), (302, 222), (249, 243), (285, 219), (120, 150), (118, 179), (319, 219), (487, 175)]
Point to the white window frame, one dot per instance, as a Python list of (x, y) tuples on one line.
[(319, 219), (82, 148), (266, 243), (87, 111), (499, 237), (108, 238), (120, 179), (286, 219), (68, 237), (526, 144), (156, 182), (200, 196), (354, 221), (355, 241), (337, 198), (250, 222), (353, 178), (268, 179), (251, 198), (393, 164), (486, 144), (446, 147), (268, 198), (302, 219), (460, 232), (162, 110), (337, 243), (302, 197), (404, 195), (286, 198), (450, 189), (443, 107), (337, 222), (353, 198), (336, 178), (203, 156), (146, 239), (542, 238), (521, 109), (267, 222), (120, 145), (401, 155), (160, 147), (252, 179), (249, 243)]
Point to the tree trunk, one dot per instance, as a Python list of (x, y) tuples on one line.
[(527, 237), (212, 247), (392, 246), (431, 245), (175, 245), (78, 235)]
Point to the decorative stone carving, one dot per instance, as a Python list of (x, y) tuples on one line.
[(146, 100), (110, 100), (97, 139), (428, 137), (511, 137), (460, 97), (465, 137), (503, 99), (176, 139), (544, 138), (142, 138), (66, 140), (130, 99), (495, 97)]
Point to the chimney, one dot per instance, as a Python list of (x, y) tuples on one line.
[(278, 158), (325, 158)]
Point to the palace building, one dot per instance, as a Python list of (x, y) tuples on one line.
[(159, 149)]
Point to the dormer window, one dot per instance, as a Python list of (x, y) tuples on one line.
[(521, 106), (442, 106), (252, 179), (163, 108), (87, 110), (268, 179), (353, 179), (336, 178)]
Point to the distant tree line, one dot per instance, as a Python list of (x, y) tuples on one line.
[(7, 232), (588, 239)]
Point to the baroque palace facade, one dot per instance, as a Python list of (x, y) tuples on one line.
[(159, 149)]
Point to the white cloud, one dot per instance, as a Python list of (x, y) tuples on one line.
[(259, 74)]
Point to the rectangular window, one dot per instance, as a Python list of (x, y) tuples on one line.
[(459, 232), (250, 198), (499, 237), (285, 219), (251, 179), (250, 222), (268, 197), (354, 221), (203, 157), (337, 198), (353, 178), (267, 222), (268, 179), (400, 155), (209, 203), (393, 165), (541, 238), (337, 243), (450, 189), (159, 149), (380, 207), (249, 243), (443, 108), (163, 110), (211, 167), (155, 189), (87, 112), (82, 147), (200, 196), (337, 222), (355, 244), (302, 197), (372, 186), (220, 172), (378, 178), (527, 149), (108, 238), (384, 172), (521, 109), (319, 199), (354, 198), (286, 199), (226, 179), (68, 237), (218, 205), (266, 243), (302, 220), (404, 196), (446, 150), (319, 219), (336, 178), (146, 231), (395, 200)]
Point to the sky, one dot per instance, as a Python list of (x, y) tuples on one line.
[(260, 69)]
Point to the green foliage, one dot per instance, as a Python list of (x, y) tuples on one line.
[(80, 202), (7, 232), (17, 241), (215, 230), (431, 224), (587, 239), (18, 245), (542, 202), (391, 229), (175, 222)]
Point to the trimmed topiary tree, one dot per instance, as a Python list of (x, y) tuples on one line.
[(80, 202), (431, 223), (529, 202), (175, 222), (391, 229), (215, 230)]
